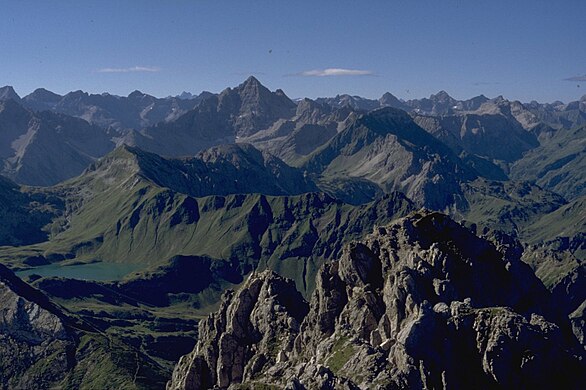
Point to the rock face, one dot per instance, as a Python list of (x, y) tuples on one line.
[(421, 303), (494, 136), (221, 119), (294, 138), (35, 346), (263, 316)]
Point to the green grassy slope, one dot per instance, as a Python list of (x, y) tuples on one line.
[(559, 164), (115, 213)]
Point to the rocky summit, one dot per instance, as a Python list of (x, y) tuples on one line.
[(419, 303)]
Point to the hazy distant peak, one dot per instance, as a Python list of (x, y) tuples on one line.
[(186, 96), (7, 93), (136, 94), (389, 112), (390, 100), (76, 94), (388, 95), (442, 96), (280, 92), (43, 94), (307, 103)]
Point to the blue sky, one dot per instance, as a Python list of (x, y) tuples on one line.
[(521, 49)]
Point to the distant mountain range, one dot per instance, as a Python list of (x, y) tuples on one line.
[(137, 110), (488, 134)]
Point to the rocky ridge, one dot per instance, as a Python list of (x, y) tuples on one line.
[(421, 303), (135, 111)]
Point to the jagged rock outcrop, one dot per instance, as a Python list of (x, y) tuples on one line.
[(35, 346), (253, 329), (421, 303)]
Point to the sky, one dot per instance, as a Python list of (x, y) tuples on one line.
[(524, 50)]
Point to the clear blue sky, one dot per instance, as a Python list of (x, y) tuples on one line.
[(520, 49)]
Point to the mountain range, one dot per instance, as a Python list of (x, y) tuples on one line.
[(353, 233)]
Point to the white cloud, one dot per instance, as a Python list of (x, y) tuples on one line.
[(133, 69), (576, 78), (335, 72)]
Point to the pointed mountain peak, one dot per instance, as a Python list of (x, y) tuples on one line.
[(307, 103), (252, 81), (44, 95), (441, 95), (136, 94), (186, 96), (388, 95), (390, 100), (122, 151), (7, 93), (251, 87), (121, 163)]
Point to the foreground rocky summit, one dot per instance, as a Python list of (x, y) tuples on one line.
[(422, 303)]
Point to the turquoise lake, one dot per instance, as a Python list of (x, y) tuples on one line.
[(93, 271)]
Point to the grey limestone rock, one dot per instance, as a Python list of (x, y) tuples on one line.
[(421, 303)]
